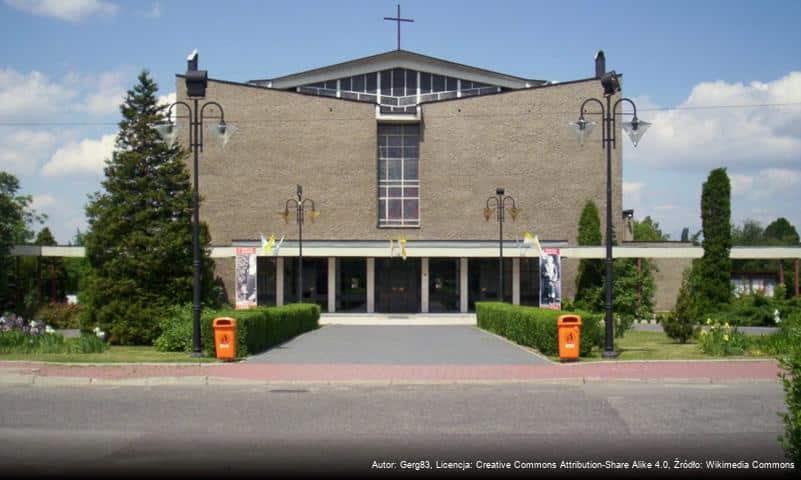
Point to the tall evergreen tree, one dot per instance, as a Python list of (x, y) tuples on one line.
[(139, 243), (16, 218), (591, 271), (715, 265)]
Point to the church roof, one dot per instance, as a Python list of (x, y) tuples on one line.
[(398, 59)]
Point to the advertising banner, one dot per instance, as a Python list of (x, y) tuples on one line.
[(245, 282), (551, 279)]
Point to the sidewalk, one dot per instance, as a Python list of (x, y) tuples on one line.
[(722, 371)]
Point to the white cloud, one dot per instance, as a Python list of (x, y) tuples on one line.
[(776, 182), (32, 95), (168, 100), (69, 10), (632, 187), (23, 150), (632, 193), (667, 207), (700, 138), (42, 201), (740, 184), (105, 95), (85, 157)]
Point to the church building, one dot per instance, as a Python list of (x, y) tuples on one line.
[(401, 155)]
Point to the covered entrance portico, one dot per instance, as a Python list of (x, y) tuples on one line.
[(365, 277)]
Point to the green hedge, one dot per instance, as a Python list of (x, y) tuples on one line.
[(261, 328), (536, 327)]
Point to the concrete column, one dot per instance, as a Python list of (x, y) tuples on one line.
[(332, 284), (463, 285), (516, 281), (371, 285), (424, 285), (279, 281)]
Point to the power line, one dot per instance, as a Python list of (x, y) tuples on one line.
[(466, 115)]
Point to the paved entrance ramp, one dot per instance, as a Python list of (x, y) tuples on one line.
[(398, 319), (399, 345)]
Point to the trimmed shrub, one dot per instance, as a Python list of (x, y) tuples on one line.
[(257, 329), (791, 380), (678, 328), (536, 327), (60, 315)]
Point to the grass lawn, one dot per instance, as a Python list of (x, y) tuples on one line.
[(639, 345), (112, 355)]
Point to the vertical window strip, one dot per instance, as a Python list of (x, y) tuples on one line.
[(394, 191)]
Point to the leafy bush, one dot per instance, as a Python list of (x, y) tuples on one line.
[(722, 340), (536, 327), (257, 329), (791, 379), (60, 315), (176, 330)]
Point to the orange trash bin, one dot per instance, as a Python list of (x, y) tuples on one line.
[(225, 337), (569, 327)]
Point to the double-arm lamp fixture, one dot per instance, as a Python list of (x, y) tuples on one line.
[(499, 203), (299, 205), (635, 130)]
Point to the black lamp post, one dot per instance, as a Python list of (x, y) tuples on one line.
[(497, 203), (635, 129), (196, 81), (299, 205)]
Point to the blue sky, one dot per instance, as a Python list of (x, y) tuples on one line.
[(69, 62)]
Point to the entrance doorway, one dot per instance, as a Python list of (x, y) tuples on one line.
[(397, 285)]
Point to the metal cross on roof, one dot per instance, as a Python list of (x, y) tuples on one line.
[(399, 20)]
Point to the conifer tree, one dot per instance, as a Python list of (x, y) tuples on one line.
[(139, 243), (591, 271), (715, 265), (633, 288), (16, 218)]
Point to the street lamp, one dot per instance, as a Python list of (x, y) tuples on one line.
[(497, 203), (635, 130), (299, 205), (196, 81)]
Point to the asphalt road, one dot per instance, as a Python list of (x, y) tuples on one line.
[(399, 345), (222, 430)]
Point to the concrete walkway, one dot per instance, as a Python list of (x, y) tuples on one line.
[(248, 373), (396, 345)]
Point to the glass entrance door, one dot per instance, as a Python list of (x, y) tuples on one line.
[(397, 285)]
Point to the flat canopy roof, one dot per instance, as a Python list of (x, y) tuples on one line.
[(453, 249)]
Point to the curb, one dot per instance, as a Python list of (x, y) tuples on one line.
[(46, 381)]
